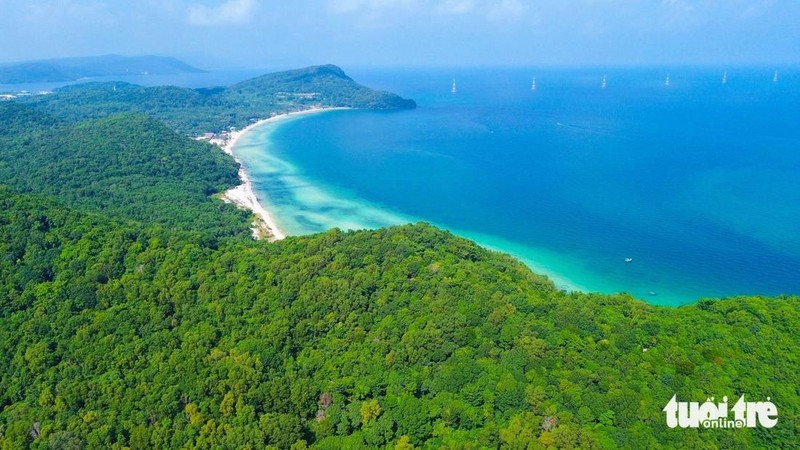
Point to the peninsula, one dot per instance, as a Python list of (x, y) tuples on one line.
[(194, 112)]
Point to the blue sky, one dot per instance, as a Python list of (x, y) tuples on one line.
[(285, 33)]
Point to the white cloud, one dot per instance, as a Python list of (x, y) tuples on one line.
[(680, 15), (757, 10), (375, 14), (507, 10), (59, 11), (374, 10), (229, 13), (457, 6), (349, 6)]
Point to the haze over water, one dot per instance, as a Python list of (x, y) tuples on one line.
[(695, 181)]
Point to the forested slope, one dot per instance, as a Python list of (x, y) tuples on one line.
[(128, 166), (121, 335)]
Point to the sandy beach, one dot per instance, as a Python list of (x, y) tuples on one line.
[(264, 227)]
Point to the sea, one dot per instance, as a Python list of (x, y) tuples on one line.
[(671, 191)]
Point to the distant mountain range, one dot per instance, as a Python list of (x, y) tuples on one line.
[(71, 69)]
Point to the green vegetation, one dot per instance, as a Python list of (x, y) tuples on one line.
[(70, 69), (136, 312), (128, 166), (119, 335), (196, 111)]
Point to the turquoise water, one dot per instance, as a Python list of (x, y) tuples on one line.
[(696, 181)]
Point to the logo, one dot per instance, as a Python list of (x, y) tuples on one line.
[(716, 415)]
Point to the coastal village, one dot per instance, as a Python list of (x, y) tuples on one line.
[(223, 138), (12, 96)]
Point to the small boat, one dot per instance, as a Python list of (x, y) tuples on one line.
[(533, 84), (604, 82), (453, 89), (628, 260), (725, 78), (652, 293), (666, 83), (775, 77)]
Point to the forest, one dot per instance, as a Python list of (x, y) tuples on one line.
[(137, 312)]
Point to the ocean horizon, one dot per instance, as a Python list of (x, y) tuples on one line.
[(670, 190)]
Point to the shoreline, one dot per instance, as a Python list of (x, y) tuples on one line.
[(243, 195), (265, 226)]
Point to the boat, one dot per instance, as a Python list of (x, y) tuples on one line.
[(725, 78), (652, 293), (627, 260), (533, 84), (604, 82), (666, 83), (453, 89), (775, 77)]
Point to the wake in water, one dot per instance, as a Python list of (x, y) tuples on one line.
[(583, 129)]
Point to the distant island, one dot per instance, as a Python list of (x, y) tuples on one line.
[(72, 69)]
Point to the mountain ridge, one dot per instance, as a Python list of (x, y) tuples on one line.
[(76, 68)]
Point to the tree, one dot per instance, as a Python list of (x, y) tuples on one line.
[(370, 410)]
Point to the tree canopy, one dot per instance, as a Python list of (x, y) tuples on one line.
[(116, 334)]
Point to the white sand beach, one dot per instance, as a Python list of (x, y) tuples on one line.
[(243, 195)]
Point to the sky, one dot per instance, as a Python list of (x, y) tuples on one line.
[(407, 33)]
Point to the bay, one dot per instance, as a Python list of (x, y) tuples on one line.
[(696, 181)]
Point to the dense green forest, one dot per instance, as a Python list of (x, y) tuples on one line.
[(128, 166), (136, 312), (196, 111), (120, 335)]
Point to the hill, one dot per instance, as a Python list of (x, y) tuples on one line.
[(128, 166), (71, 69), (120, 335), (197, 111), (310, 85)]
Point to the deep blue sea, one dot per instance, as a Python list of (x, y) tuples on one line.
[(696, 182)]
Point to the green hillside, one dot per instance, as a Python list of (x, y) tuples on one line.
[(122, 335), (307, 87), (127, 166), (136, 312)]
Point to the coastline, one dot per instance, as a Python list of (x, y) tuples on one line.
[(264, 227)]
